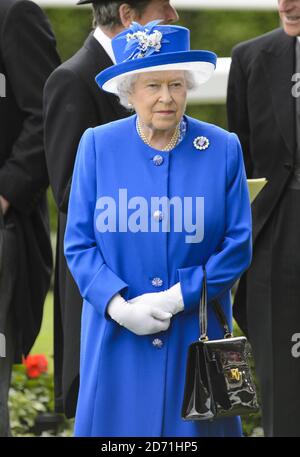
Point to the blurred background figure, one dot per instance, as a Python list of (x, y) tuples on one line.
[(27, 57), (264, 113), (73, 103)]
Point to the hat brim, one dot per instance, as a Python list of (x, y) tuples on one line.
[(200, 63)]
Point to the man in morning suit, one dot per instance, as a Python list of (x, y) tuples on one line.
[(264, 111), (72, 103), (27, 57)]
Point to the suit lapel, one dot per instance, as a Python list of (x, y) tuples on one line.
[(101, 60), (279, 66)]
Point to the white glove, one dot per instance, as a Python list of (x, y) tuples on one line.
[(141, 320), (169, 300)]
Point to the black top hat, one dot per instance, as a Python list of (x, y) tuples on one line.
[(85, 2)]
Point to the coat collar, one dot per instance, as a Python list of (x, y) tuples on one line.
[(279, 66), (101, 60)]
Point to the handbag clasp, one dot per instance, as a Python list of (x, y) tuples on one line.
[(234, 374), (234, 377)]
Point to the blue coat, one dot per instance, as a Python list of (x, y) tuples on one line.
[(129, 384)]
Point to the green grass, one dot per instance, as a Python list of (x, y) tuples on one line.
[(44, 342)]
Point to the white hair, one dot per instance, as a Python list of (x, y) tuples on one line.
[(126, 85)]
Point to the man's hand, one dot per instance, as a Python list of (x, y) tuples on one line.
[(4, 204)]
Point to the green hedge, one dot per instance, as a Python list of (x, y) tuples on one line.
[(215, 30)]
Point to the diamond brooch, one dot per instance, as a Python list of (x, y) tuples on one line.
[(201, 143)]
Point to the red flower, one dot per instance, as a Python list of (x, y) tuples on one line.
[(35, 365)]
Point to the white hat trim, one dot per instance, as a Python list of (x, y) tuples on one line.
[(201, 71)]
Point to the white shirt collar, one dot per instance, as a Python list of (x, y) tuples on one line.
[(105, 42)]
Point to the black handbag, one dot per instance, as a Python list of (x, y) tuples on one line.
[(218, 380)]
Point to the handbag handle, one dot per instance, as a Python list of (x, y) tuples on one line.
[(217, 309)]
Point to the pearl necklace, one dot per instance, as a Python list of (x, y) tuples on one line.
[(172, 143)]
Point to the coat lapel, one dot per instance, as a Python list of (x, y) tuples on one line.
[(100, 61), (279, 66)]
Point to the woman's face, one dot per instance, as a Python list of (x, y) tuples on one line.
[(159, 98)]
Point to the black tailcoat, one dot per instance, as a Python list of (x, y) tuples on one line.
[(72, 103), (261, 110), (27, 57)]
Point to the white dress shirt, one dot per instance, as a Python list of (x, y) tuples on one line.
[(105, 42)]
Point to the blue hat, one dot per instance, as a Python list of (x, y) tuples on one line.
[(155, 47)]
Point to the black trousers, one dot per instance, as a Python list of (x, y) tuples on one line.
[(8, 272), (273, 312)]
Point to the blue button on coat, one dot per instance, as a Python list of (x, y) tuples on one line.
[(127, 386)]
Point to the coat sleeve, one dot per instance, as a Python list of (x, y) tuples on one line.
[(29, 54), (96, 281), (233, 257), (69, 110), (237, 108)]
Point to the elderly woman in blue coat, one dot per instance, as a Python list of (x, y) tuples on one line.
[(154, 198)]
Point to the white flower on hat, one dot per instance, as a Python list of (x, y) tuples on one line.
[(146, 42)]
